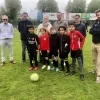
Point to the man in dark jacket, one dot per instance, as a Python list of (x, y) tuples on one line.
[(22, 27), (95, 32), (81, 28)]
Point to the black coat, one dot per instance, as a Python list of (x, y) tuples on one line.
[(22, 27), (64, 43), (54, 42), (32, 42), (95, 32)]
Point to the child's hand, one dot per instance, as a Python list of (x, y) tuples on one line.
[(40, 52), (37, 50), (48, 51), (81, 48)]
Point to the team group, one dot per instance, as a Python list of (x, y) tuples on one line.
[(51, 42)]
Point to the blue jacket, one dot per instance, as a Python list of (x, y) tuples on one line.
[(22, 27), (81, 28)]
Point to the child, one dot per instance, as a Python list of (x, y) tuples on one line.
[(75, 47), (44, 47), (54, 46), (64, 49), (32, 43)]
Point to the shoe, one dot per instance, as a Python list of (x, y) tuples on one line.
[(73, 72), (52, 68), (13, 62), (36, 68), (3, 63), (31, 68), (44, 66), (82, 77), (57, 69), (48, 68), (67, 73), (61, 70), (97, 79)]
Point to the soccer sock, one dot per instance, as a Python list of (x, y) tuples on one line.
[(80, 65), (62, 64), (67, 66), (73, 63)]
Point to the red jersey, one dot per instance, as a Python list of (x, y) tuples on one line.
[(44, 42), (76, 40)]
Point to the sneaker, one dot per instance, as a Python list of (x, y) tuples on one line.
[(13, 62), (31, 68), (67, 73), (52, 68), (57, 69), (44, 66), (48, 68), (36, 68), (82, 77), (61, 70), (73, 72), (3, 63), (97, 79)]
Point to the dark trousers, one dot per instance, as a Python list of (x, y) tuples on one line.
[(33, 56), (45, 57), (54, 56), (64, 58), (23, 50)]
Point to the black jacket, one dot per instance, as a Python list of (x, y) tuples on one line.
[(64, 43), (22, 27), (32, 42), (95, 31), (81, 28), (54, 42)]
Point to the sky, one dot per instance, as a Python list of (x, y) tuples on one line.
[(30, 5)]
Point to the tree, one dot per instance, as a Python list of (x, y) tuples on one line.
[(93, 5), (2, 10), (69, 7), (77, 6), (12, 7), (47, 6)]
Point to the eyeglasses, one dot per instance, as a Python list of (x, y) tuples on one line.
[(5, 19)]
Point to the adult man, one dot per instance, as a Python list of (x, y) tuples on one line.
[(81, 28), (22, 27), (59, 21), (46, 24), (6, 35), (95, 32)]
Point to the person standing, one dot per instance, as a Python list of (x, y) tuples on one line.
[(45, 24), (59, 22), (6, 35), (22, 27), (79, 26), (95, 32)]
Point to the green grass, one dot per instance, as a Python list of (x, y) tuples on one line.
[(15, 83)]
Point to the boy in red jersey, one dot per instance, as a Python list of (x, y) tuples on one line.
[(44, 47), (75, 46)]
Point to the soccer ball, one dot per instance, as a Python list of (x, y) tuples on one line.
[(34, 77)]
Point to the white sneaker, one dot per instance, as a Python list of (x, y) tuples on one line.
[(44, 66), (48, 68)]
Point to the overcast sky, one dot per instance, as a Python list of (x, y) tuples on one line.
[(30, 5)]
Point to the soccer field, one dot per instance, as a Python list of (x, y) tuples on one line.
[(15, 81)]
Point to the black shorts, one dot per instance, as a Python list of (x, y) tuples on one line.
[(63, 55), (53, 54), (44, 53), (76, 53)]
